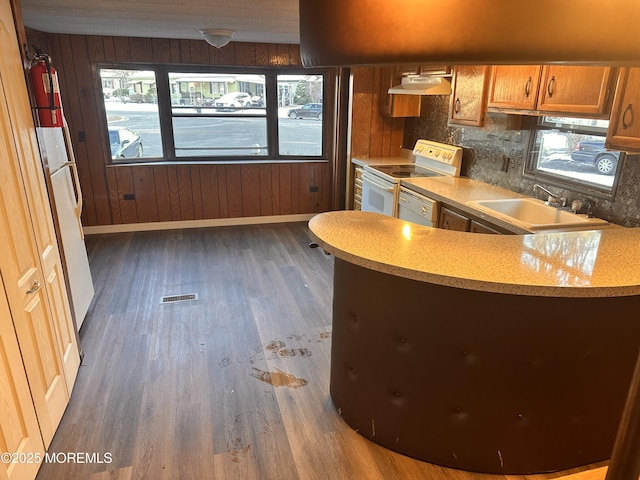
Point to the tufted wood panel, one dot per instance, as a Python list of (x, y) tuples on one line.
[(493, 383)]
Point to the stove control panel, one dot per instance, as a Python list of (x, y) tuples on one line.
[(442, 155)]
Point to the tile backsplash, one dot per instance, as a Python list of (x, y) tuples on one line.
[(496, 154)]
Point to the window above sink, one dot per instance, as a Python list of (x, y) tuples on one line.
[(570, 152)]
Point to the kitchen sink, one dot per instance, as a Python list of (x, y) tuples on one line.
[(533, 214)]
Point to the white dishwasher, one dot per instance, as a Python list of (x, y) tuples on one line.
[(416, 208)]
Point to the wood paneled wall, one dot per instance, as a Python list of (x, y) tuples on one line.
[(152, 193), (372, 134)]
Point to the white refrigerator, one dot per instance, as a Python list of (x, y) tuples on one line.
[(66, 203)]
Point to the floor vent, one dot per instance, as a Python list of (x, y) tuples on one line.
[(179, 298)]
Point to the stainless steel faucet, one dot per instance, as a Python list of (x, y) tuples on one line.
[(552, 198)]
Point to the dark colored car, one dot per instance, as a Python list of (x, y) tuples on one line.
[(593, 152), (125, 143), (310, 110)]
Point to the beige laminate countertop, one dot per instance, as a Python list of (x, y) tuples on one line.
[(457, 191), (590, 263)]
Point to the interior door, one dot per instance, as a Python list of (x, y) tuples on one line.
[(29, 259), (18, 423)]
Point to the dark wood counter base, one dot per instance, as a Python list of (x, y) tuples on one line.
[(480, 381)]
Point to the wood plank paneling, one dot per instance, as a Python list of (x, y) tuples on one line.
[(173, 192), (122, 49), (245, 54), (285, 187), (227, 54), (185, 192), (141, 49), (196, 192), (128, 210), (163, 196), (145, 194), (234, 190), (114, 203), (223, 194), (262, 54), (250, 190), (265, 191), (199, 52), (210, 192)]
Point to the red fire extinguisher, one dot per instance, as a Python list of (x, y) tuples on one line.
[(46, 90)]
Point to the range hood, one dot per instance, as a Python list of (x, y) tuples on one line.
[(422, 85)]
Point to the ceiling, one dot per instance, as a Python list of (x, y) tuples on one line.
[(273, 21)]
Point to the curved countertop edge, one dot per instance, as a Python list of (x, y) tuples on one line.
[(583, 264)]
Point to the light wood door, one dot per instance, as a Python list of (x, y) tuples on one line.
[(28, 157), (575, 89), (469, 98), (624, 127), (29, 261), (514, 87), (19, 433)]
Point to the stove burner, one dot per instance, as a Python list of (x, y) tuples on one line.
[(406, 171)]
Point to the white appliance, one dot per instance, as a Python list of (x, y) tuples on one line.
[(381, 183), (66, 201), (416, 208)]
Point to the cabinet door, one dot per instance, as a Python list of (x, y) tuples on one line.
[(575, 89), (397, 105), (514, 87), (29, 259), (477, 227), (469, 96), (18, 422), (624, 127), (450, 220)]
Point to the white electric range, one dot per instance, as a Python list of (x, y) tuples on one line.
[(382, 192)]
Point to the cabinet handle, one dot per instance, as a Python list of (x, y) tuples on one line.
[(627, 111), (527, 88), (445, 226), (34, 288), (551, 86), (456, 106)]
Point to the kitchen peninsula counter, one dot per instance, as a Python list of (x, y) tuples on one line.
[(504, 354), (589, 263)]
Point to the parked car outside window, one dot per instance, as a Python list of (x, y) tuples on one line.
[(231, 101), (125, 143), (310, 110), (593, 152)]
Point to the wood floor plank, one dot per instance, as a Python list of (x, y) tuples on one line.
[(232, 385)]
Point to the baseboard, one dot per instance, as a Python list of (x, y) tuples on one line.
[(214, 222)]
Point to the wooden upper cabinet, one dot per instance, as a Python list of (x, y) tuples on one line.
[(469, 95), (398, 105), (514, 87), (624, 126), (548, 89), (575, 89)]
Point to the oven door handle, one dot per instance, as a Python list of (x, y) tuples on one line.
[(369, 180)]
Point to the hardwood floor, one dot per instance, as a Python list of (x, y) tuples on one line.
[(233, 385)]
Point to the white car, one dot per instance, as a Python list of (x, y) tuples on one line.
[(232, 101)]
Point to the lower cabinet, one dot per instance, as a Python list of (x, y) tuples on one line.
[(477, 227), (450, 219)]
